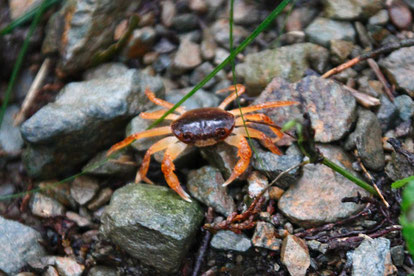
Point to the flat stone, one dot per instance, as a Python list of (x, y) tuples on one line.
[(399, 67), (84, 188), (287, 62), (149, 221), (295, 255), (372, 257), (19, 245), (10, 138), (367, 138), (351, 9), (45, 207), (265, 236), (188, 56), (86, 117), (316, 198), (331, 107), (228, 240), (185, 22), (206, 185), (322, 30)]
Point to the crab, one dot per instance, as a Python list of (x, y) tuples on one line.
[(203, 127)]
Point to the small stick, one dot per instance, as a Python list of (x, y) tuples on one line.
[(374, 66), (33, 92), (363, 99)]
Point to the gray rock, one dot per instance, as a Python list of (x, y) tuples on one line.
[(372, 257), (351, 9), (317, 246), (380, 18), (86, 117), (103, 271), (340, 50), (322, 30), (106, 71), (221, 33), (245, 13), (410, 3), (265, 236), (149, 221), (295, 255), (228, 240), (101, 199), (45, 207), (140, 42), (81, 29), (387, 114), (206, 185), (332, 108), (185, 22), (202, 71), (316, 198), (10, 139), (399, 167), (208, 45), (121, 164), (199, 99), (399, 66), (397, 255), (288, 62), (19, 245), (187, 57), (405, 106), (84, 188), (367, 138)]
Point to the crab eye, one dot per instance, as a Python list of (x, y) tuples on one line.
[(221, 132), (187, 136)]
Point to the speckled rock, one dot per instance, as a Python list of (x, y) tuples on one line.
[(372, 257), (10, 139), (399, 167), (149, 221), (367, 138), (206, 185), (288, 62), (295, 255), (322, 30), (351, 9), (19, 244), (316, 198), (86, 117), (332, 108), (45, 207), (399, 67), (265, 236), (228, 240)]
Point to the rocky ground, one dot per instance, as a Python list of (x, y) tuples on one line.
[(312, 221)]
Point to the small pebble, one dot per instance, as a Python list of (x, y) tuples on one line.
[(101, 199), (400, 15)]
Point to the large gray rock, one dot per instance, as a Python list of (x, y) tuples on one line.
[(316, 198), (332, 108), (81, 29), (86, 117), (152, 223), (288, 62), (19, 245), (322, 30), (351, 9)]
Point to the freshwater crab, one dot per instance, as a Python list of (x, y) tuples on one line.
[(203, 127)]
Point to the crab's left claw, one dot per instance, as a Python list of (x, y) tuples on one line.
[(244, 152)]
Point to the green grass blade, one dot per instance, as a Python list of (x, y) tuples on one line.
[(26, 17), (402, 182), (269, 19)]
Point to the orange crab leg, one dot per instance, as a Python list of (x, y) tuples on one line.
[(158, 146), (167, 167), (244, 152), (157, 101), (240, 90), (254, 133), (259, 117), (157, 114), (143, 134), (252, 108)]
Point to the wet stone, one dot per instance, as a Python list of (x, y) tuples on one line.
[(288, 62), (322, 30), (148, 221), (187, 57), (19, 245), (228, 240), (45, 207), (399, 66), (387, 114), (10, 139), (265, 236), (367, 138), (206, 185), (84, 188), (85, 118), (372, 257), (405, 106), (295, 255), (351, 10), (306, 201), (331, 107)]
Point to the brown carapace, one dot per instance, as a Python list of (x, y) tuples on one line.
[(204, 127)]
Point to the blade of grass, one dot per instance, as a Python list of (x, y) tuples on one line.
[(269, 19), (26, 17), (20, 57)]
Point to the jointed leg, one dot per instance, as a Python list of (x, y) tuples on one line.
[(264, 139), (240, 89), (167, 167), (259, 117), (253, 108), (158, 146), (244, 152), (157, 101), (143, 134), (157, 114)]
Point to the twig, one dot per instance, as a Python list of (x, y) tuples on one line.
[(362, 98), (374, 66), (33, 92), (204, 244)]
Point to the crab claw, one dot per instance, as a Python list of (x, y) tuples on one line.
[(244, 152)]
